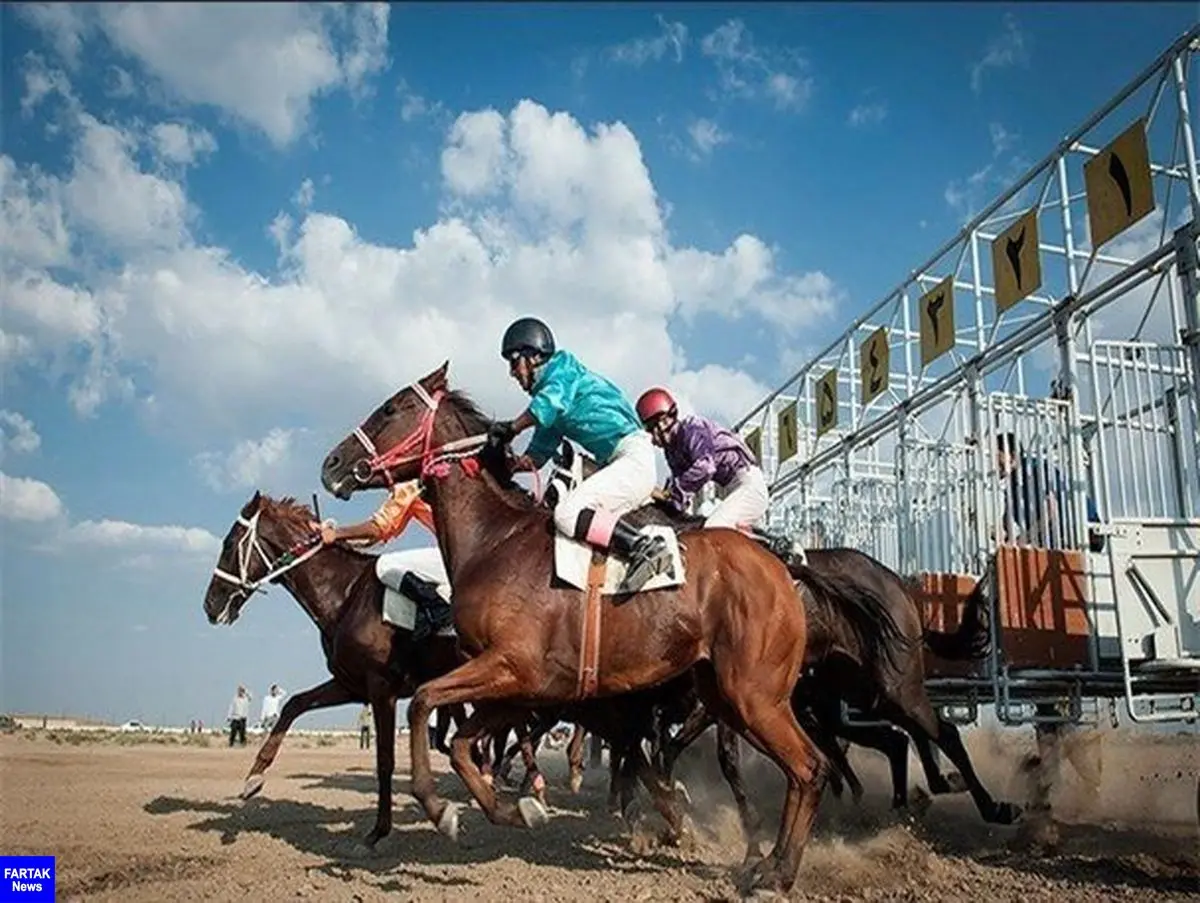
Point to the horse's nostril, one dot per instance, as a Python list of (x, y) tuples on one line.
[(332, 461)]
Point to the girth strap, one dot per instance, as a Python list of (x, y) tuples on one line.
[(589, 647)]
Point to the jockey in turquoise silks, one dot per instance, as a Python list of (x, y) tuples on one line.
[(569, 401)]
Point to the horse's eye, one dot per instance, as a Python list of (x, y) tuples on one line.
[(389, 409)]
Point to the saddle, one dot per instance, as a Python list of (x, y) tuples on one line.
[(594, 571), (418, 605)]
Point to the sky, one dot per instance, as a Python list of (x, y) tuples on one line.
[(228, 232)]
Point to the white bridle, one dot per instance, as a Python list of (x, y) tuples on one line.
[(248, 546)]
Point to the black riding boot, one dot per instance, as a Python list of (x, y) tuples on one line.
[(433, 613), (780, 546), (646, 555)]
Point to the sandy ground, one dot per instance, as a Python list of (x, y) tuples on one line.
[(144, 822)]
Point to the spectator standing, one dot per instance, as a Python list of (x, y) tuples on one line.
[(364, 727), (270, 707), (239, 711)]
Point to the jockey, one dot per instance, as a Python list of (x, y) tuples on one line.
[(699, 451), (569, 401), (416, 573)]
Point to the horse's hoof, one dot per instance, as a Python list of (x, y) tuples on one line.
[(533, 813), (1005, 814), (681, 790), (576, 783), (632, 813), (448, 823), (920, 802), (377, 834), (252, 786), (955, 783)]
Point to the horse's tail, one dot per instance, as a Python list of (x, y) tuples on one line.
[(864, 613), (972, 640)]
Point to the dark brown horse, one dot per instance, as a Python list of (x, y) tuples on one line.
[(270, 542), (735, 617)]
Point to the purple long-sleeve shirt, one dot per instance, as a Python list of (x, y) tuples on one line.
[(701, 451)]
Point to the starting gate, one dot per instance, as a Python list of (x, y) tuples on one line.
[(1023, 409)]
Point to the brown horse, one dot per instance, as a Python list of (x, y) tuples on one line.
[(271, 542), (844, 663), (735, 616)]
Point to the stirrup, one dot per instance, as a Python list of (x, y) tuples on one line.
[(646, 563)]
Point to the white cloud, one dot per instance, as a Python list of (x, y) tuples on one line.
[(30, 501), (1005, 50), (18, 432), (262, 64), (110, 195), (33, 226), (473, 159), (747, 70), (124, 536), (37, 505), (867, 114), (540, 216), (413, 105), (717, 392), (673, 38), (1002, 138), (249, 464), (706, 136), (305, 195), (178, 143)]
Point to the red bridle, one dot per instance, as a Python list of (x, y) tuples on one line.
[(434, 459)]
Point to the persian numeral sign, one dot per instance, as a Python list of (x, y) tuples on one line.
[(827, 407), (754, 443), (936, 309), (874, 362), (789, 437), (1120, 190), (1016, 263)]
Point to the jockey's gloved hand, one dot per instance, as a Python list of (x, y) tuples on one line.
[(501, 433)]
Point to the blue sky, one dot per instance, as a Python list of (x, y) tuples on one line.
[(228, 232)]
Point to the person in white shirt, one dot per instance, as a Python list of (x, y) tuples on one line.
[(239, 711), (272, 702)]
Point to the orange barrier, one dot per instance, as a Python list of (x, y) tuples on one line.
[(1042, 608)]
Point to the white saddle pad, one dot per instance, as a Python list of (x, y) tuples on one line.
[(400, 610), (572, 559)]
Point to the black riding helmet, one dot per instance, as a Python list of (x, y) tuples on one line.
[(527, 336)]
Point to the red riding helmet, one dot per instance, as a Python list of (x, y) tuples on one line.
[(654, 403)]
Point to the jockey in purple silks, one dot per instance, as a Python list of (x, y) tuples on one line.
[(698, 452)]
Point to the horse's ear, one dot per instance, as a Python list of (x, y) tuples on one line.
[(251, 505), (437, 379)]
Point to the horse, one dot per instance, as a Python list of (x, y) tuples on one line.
[(843, 663), (271, 542), (734, 619)]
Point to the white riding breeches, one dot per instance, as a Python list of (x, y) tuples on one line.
[(425, 563), (625, 483), (744, 504)]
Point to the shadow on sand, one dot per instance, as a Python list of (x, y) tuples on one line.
[(414, 854)]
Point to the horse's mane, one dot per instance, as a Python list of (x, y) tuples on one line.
[(492, 458), (298, 516)]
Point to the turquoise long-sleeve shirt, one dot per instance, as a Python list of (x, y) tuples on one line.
[(572, 402)]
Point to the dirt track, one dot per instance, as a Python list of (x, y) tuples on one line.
[(157, 823)]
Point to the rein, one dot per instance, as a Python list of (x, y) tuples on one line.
[(435, 459), (247, 547)]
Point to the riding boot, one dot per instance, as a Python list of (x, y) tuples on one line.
[(433, 612), (646, 555), (781, 547)]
